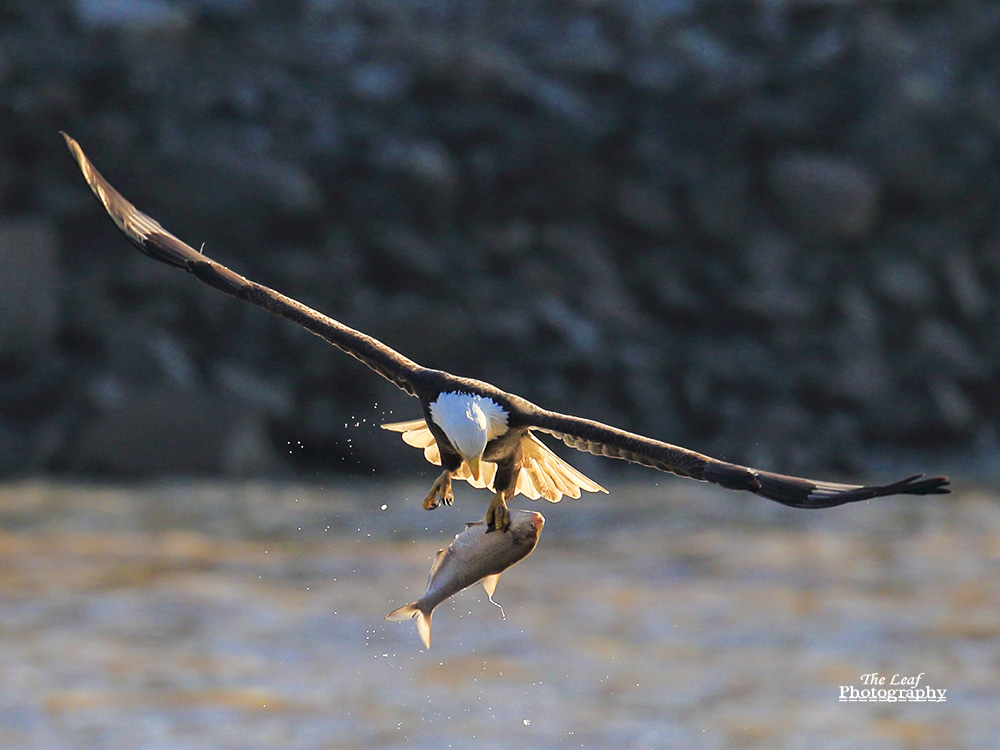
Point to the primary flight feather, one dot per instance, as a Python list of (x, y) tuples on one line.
[(474, 430)]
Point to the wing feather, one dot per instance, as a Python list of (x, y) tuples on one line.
[(546, 475), (543, 473), (526, 485), (550, 476), (415, 432), (433, 454), (156, 242), (487, 473), (797, 492)]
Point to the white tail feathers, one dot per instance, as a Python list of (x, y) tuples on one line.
[(409, 612)]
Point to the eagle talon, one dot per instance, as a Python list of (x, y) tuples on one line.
[(497, 515), (440, 492)]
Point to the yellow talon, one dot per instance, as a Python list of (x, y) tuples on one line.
[(440, 489), (497, 515)]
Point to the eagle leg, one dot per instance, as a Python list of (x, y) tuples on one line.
[(497, 515), (440, 492)]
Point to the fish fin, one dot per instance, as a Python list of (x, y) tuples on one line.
[(438, 559), (490, 584), (406, 612), (409, 612), (424, 627)]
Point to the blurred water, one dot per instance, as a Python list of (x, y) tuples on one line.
[(196, 615)]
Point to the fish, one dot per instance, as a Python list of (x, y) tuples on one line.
[(475, 555)]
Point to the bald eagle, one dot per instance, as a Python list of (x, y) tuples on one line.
[(474, 430)]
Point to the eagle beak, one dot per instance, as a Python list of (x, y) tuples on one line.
[(474, 467)]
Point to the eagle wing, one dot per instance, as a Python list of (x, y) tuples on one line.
[(797, 492), (543, 473), (159, 244), (547, 476), (416, 433)]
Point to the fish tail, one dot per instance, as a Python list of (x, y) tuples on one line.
[(411, 611)]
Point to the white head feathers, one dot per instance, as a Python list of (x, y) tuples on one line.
[(469, 421)]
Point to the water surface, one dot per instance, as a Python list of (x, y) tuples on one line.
[(210, 615)]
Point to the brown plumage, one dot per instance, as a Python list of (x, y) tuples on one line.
[(476, 431)]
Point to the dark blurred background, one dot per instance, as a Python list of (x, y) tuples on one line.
[(764, 230)]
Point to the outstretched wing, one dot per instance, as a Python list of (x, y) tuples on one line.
[(602, 440), (159, 244)]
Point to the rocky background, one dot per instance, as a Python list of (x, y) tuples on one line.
[(766, 230)]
